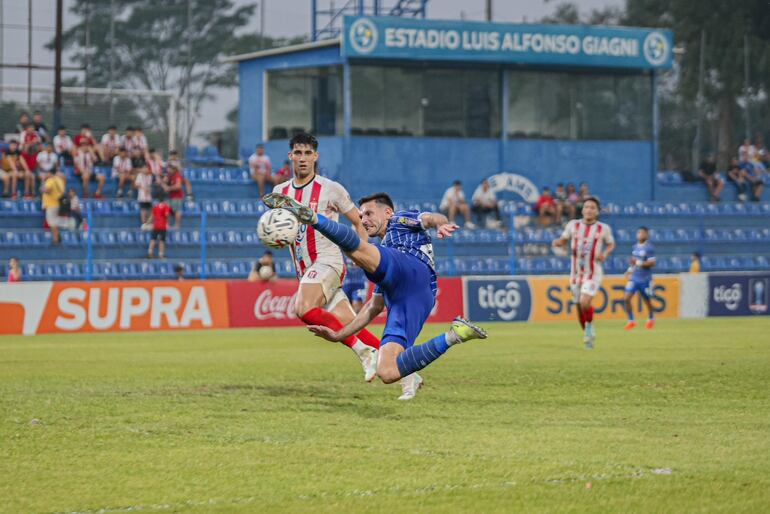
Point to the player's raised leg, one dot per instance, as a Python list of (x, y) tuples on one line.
[(397, 361), (363, 253)]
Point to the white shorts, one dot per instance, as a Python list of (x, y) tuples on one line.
[(328, 277), (52, 216), (588, 288)]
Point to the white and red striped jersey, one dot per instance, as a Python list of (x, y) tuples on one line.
[(156, 167), (110, 142), (330, 199), (84, 162), (120, 165), (587, 243)]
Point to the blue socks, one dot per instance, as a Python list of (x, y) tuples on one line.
[(344, 237), (419, 356)]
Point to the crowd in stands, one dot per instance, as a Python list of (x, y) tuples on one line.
[(747, 171), (36, 162)]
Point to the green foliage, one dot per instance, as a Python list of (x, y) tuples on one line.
[(151, 47), (725, 24), (243, 421)]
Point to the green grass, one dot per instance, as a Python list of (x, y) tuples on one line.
[(676, 420)]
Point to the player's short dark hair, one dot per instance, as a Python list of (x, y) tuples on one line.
[(644, 228), (303, 138), (457, 183), (380, 198), (160, 196), (594, 200), (85, 125)]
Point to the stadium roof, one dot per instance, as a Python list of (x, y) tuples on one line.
[(282, 50)]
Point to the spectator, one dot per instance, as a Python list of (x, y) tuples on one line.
[(110, 143), (40, 128), (14, 270), (756, 179), (708, 172), (746, 154), (261, 169), (173, 187), (84, 134), (283, 174), (46, 162), (453, 202), (143, 185), (173, 158), (160, 215), (563, 204), (140, 140), (695, 263), (63, 145), (127, 140), (84, 168), (123, 169), (545, 208), (155, 164), (264, 269), (737, 176), (572, 195), (29, 159), (179, 272), (138, 157), (13, 167), (53, 190), (23, 122), (29, 138), (485, 204), (76, 211)]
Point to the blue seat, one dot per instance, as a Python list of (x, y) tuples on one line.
[(126, 238), (128, 270), (211, 155), (192, 153)]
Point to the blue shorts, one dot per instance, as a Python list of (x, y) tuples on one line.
[(405, 283), (644, 288), (355, 291)]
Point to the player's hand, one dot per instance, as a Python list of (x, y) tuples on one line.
[(325, 333), (601, 257), (446, 230)]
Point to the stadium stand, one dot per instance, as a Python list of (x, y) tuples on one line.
[(730, 236)]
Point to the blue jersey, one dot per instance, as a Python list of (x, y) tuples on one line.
[(406, 234), (643, 252), (354, 275)]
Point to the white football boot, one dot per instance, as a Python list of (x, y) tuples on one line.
[(409, 386)]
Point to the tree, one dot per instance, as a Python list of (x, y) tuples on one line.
[(725, 24), (152, 49)]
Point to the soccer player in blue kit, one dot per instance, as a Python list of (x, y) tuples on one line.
[(354, 285), (639, 276), (403, 270)]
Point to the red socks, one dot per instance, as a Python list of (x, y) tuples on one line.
[(369, 339), (581, 317), (589, 315), (318, 316)]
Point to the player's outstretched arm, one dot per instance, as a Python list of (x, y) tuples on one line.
[(439, 222), (368, 312)]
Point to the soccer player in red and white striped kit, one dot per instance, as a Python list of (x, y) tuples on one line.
[(319, 262), (591, 242)]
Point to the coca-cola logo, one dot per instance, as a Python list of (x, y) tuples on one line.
[(268, 306)]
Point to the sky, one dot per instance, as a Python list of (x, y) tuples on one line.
[(283, 18)]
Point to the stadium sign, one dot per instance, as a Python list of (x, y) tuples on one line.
[(739, 295), (570, 45), (514, 183), (498, 300)]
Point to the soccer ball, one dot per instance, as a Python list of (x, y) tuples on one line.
[(278, 228), (265, 272)]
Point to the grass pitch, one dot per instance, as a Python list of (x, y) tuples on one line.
[(673, 420)]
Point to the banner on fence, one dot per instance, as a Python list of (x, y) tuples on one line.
[(739, 295)]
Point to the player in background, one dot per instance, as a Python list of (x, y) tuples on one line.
[(639, 276), (319, 263), (403, 269), (591, 243), (354, 285)]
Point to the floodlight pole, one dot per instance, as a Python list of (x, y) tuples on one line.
[(57, 71)]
